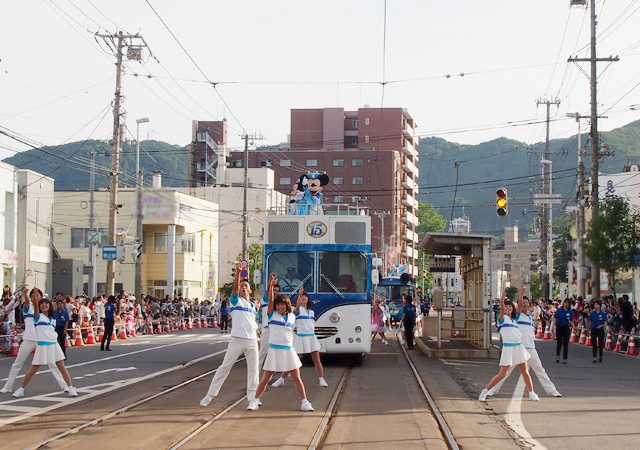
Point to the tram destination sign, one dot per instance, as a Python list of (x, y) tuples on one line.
[(442, 264)]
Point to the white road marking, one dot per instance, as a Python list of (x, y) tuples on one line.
[(86, 392), (115, 369), (513, 418)]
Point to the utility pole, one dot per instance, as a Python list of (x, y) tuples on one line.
[(593, 137), (92, 249), (245, 215), (135, 53), (580, 272), (546, 217), (137, 246)]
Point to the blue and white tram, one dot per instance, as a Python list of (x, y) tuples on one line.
[(330, 257)]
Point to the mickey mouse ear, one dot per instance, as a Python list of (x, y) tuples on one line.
[(305, 181)]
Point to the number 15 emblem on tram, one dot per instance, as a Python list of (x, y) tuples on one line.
[(316, 229)]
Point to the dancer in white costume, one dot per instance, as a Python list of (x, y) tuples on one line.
[(525, 324), (29, 344), (281, 357), (305, 340), (513, 352)]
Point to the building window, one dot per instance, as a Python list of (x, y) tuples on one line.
[(507, 257), (366, 138), (159, 242), (351, 141), (285, 163), (236, 163), (78, 238), (338, 162), (355, 124), (185, 243), (533, 268), (285, 180), (267, 163), (357, 180), (357, 162), (507, 267), (312, 163), (368, 179), (338, 199), (338, 180), (366, 121)]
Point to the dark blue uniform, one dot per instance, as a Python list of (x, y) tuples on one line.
[(409, 322), (109, 321), (61, 317), (563, 330), (598, 320)]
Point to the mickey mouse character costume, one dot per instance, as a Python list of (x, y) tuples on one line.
[(307, 194)]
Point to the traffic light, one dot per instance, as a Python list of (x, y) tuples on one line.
[(502, 202), (136, 251), (424, 273)]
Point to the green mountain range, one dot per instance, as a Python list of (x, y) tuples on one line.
[(468, 174)]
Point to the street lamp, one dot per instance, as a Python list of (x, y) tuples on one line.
[(219, 182), (137, 246)]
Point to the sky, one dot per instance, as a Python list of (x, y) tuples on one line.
[(467, 71)]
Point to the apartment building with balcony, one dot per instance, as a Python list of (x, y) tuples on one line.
[(371, 158), (208, 149)]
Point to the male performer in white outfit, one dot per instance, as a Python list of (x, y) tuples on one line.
[(29, 344), (244, 339), (525, 324), (264, 337)]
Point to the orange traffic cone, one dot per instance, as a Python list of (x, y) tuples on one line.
[(183, 325), (588, 343), (214, 322), (15, 346), (67, 341), (583, 337), (189, 324), (101, 333), (114, 335), (618, 348), (205, 322), (573, 339), (539, 333), (608, 345), (123, 332), (631, 348), (167, 327), (159, 329), (133, 330), (79, 342), (196, 323), (91, 339), (547, 333)]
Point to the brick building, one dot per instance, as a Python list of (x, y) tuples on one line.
[(371, 158)]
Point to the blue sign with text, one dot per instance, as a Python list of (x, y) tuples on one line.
[(109, 252)]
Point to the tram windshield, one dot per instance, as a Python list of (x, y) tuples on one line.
[(394, 292), (343, 272), (292, 270)]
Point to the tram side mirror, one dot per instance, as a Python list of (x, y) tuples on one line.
[(257, 277), (375, 276), (438, 300)]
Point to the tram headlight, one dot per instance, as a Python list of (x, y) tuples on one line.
[(358, 329), (358, 340), (334, 317), (350, 340)]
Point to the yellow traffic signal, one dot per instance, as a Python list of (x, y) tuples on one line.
[(502, 202)]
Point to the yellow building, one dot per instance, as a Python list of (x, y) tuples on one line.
[(180, 245)]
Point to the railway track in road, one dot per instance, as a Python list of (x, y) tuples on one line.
[(311, 430)]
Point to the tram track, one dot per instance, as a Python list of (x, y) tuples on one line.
[(123, 409), (315, 430), (442, 424)]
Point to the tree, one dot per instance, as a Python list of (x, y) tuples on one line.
[(536, 286), (560, 262), (511, 292), (430, 221), (613, 238)]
